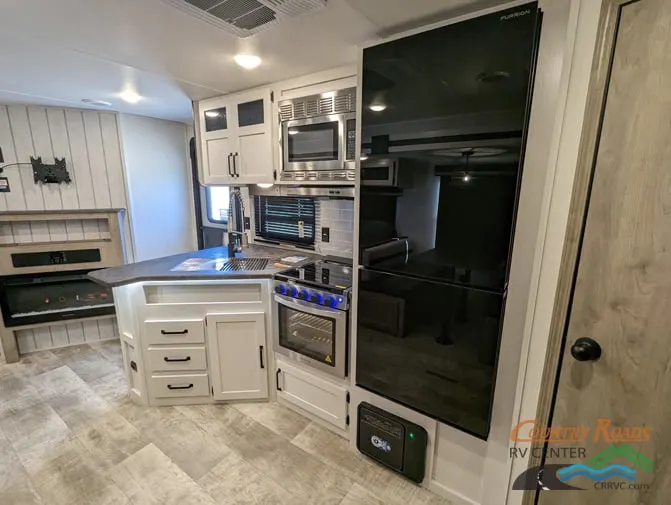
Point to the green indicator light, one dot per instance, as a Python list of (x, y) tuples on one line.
[(411, 435)]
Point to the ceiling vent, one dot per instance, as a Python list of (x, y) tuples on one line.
[(246, 17)]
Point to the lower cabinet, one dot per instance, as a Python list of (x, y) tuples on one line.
[(236, 345), (319, 397)]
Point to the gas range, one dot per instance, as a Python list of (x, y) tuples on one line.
[(324, 282), (312, 314)]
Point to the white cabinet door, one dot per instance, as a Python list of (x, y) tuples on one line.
[(236, 346), (235, 135), (315, 395), (218, 140), (254, 158)]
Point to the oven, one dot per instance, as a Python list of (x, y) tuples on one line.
[(319, 137), (312, 334)]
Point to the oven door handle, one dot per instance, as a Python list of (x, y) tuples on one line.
[(295, 304)]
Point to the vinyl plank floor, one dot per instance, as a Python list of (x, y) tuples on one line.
[(15, 485), (299, 472), (235, 481), (69, 434), (275, 417), (194, 450), (149, 477), (335, 451), (110, 439), (68, 475)]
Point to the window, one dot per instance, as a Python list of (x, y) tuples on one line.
[(217, 203), (285, 219)]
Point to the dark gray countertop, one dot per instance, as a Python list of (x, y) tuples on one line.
[(160, 269)]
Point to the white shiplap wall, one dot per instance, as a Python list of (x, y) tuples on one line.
[(90, 143)]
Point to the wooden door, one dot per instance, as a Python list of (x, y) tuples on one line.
[(621, 295), (236, 346), (218, 140)]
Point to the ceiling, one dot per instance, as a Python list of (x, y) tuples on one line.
[(58, 52)]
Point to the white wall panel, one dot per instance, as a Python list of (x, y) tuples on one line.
[(89, 142)]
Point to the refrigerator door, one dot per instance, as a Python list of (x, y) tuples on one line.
[(455, 122), (430, 346)]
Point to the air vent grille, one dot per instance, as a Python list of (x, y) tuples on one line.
[(246, 17), (318, 105)]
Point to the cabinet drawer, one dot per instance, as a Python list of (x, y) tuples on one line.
[(167, 359), (179, 386), (187, 331)]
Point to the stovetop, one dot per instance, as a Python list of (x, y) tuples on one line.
[(322, 273)]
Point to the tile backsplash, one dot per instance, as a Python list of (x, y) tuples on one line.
[(338, 217)]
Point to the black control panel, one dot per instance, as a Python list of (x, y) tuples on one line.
[(44, 258), (392, 441), (350, 150)]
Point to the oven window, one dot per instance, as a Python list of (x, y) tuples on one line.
[(314, 142), (307, 334)]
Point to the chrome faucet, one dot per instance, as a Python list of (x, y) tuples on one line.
[(237, 238)]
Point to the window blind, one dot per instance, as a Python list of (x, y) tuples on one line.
[(280, 218)]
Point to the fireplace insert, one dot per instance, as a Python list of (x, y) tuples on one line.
[(54, 296)]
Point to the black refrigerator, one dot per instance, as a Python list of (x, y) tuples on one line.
[(448, 110)]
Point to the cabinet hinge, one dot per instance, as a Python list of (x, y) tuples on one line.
[(347, 397), (347, 420)]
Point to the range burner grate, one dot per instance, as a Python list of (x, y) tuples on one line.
[(244, 264)]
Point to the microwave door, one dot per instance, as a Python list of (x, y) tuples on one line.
[(312, 144)]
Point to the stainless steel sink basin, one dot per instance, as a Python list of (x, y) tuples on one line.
[(244, 264)]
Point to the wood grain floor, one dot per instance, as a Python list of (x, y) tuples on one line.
[(69, 435)]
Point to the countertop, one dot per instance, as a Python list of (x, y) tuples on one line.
[(161, 269)]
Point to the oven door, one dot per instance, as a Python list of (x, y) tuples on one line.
[(313, 144), (312, 334)]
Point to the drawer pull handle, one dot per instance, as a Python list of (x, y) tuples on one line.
[(170, 386), (183, 332), (261, 356), (174, 360), (277, 379)]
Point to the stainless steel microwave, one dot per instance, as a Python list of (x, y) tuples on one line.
[(319, 137), (379, 172)]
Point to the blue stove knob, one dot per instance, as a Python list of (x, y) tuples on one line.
[(292, 291), (317, 297), (330, 301), (280, 289), (303, 294)]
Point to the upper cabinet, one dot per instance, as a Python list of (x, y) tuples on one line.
[(235, 135)]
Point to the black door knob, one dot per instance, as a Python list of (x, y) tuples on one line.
[(586, 349)]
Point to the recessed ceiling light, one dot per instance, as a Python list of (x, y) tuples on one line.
[(377, 107), (247, 61), (265, 185), (466, 178), (96, 103), (212, 113), (130, 95), (292, 131)]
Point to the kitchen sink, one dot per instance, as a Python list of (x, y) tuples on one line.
[(244, 264)]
